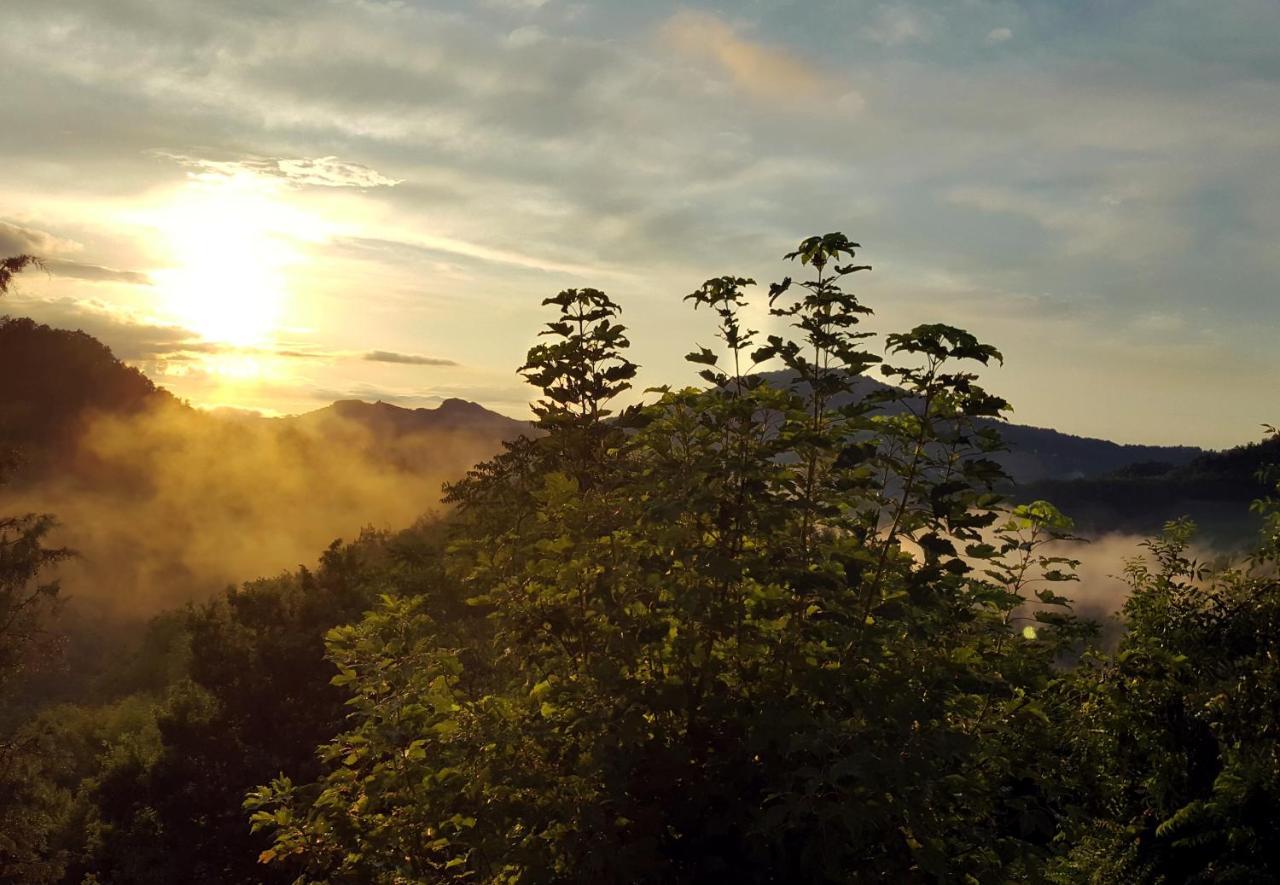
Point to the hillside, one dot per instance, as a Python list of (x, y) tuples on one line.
[(1040, 453), (387, 421), (168, 503), (53, 380), (1214, 489), (56, 383)]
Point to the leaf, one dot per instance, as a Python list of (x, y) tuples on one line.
[(704, 356)]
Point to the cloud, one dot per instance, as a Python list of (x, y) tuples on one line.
[(429, 246), (763, 71), (96, 273), (130, 336), (180, 358), (318, 172), (405, 359), (592, 155), (16, 239), (999, 35), (140, 339), (527, 35), (516, 5), (898, 25), (1160, 323), (1080, 221)]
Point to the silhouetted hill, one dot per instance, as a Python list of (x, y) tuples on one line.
[(1214, 489), (168, 503), (386, 420), (55, 384), (1039, 453), (52, 381)]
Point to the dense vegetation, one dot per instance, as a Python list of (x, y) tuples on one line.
[(750, 631)]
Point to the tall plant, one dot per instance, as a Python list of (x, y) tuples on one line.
[(752, 631)]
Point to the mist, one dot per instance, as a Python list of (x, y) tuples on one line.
[(1102, 589), (171, 504)]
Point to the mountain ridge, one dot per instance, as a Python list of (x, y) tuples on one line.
[(67, 376)]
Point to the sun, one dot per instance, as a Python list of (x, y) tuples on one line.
[(231, 241)]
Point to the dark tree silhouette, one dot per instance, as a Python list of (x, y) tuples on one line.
[(10, 267)]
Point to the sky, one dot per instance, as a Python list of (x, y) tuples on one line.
[(272, 205)]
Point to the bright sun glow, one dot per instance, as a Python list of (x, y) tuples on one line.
[(232, 240)]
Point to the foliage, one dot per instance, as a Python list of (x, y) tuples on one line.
[(746, 632), (579, 372), (149, 788), (27, 592), (256, 702), (12, 266), (26, 595), (1176, 735), (50, 777)]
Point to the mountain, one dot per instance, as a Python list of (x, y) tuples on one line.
[(1039, 453), (388, 421), (1213, 488), (53, 380), (167, 503), (55, 383)]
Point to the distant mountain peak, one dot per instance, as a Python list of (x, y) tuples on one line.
[(453, 404), (452, 415)]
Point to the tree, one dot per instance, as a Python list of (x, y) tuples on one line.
[(257, 700), (1175, 736), (27, 596), (11, 267), (745, 632)]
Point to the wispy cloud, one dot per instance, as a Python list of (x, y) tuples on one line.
[(405, 359), (999, 35), (96, 272), (138, 338), (759, 69), (131, 336), (898, 24), (16, 239), (434, 245), (318, 172)]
